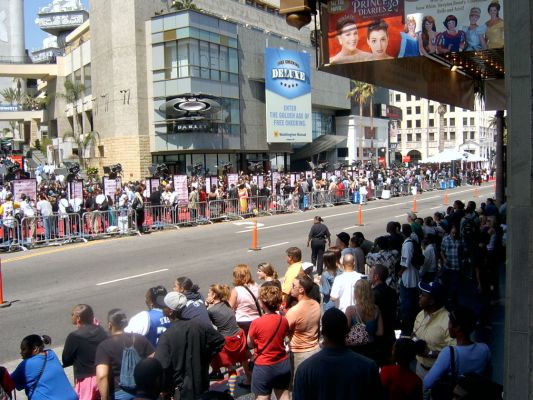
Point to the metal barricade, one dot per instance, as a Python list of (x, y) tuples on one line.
[(321, 198), (405, 189), (11, 235), (340, 197), (225, 210), (53, 230), (259, 205), (159, 217), (113, 222), (280, 204), (379, 190)]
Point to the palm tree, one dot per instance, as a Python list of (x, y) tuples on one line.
[(12, 96), (361, 93), (74, 92)]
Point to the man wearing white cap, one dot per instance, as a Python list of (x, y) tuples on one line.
[(185, 351)]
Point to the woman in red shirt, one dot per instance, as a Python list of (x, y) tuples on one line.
[(272, 371)]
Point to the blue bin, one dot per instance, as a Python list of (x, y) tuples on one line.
[(451, 183), (306, 202), (443, 184), (356, 197)]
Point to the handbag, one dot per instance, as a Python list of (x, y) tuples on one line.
[(445, 385), (358, 335), (34, 386), (268, 343), (255, 300)]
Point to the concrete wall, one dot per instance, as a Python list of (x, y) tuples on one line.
[(519, 300)]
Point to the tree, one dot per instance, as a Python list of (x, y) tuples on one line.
[(74, 92), (184, 5), (12, 96), (361, 93)]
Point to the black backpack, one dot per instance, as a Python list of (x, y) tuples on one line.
[(469, 230), (418, 257)]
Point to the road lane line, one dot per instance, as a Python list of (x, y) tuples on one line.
[(270, 245), (132, 277)]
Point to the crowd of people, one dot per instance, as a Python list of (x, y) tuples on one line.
[(392, 318)]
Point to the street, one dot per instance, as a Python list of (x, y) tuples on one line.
[(44, 284)]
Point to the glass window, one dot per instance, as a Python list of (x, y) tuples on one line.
[(194, 33), (194, 53), (465, 121), (472, 121), (204, 35), (472, 135), (224, 76), (418, 123), (452, 135), (233, 61), (234, 78), (232, 42), (183, 58), (204, 60), (398, 96), (408, 97), (417, 109), (409, 110), (452, 108), (431, 108), (235, 111), (214, 56), (171, 71), (431, 122), (418, 137), (77, 76), (409, 137), (452, 121), (399, 137), (158, 56), (431, 136), (223, 59), (214, 37), (465, 136), (182, 33), (87, 82), (409, 124)]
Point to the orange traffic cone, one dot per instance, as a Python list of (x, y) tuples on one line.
[(414, 204), (360, 216), (445, 202), (254, 237)]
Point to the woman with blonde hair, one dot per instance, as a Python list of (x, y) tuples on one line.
[(235, 350), (243, 297), (267, 273), (365, 312)]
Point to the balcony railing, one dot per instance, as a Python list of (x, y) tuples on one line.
[(15, 60)]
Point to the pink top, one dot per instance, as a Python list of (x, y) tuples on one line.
[(246, 310)]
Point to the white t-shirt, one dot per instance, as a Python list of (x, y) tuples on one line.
[(343, 289), (45, 208)]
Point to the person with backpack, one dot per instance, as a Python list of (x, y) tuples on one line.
[(117, 356), (409, 263), (466, 357)]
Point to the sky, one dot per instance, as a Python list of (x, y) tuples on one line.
[(34, 36)]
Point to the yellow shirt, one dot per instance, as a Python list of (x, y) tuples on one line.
[(292, 272), (433, 329)]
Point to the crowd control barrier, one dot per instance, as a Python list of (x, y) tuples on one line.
[(59, 229)]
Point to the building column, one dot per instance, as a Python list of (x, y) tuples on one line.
[(519, 285)]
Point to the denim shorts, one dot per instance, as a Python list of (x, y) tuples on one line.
[(265, 378)]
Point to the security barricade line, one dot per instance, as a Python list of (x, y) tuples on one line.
[(159, 217), (51, 230), (11, 235), (101, 224)]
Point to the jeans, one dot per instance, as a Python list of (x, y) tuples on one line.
[(122, 395), (47, 222)]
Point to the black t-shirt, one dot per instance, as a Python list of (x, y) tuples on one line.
[(109, 352), (80, 350)]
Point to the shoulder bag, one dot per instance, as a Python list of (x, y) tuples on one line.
[(255, 300), (446, 383), (358, 335), (34, 386)]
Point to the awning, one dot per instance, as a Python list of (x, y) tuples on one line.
[(320, 144)]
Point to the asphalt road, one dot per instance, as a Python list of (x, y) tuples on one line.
[(45, 283)]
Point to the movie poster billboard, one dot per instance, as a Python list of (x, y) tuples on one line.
[(372, 30), (180, 186), (111, 185), (288, 96), (75, 190), (24, 186)]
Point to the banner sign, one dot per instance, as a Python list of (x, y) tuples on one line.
[(371, 30), (260, 181), (288, 96), (233, 179), (75, 190), (180, 186), (110, 185), (24, 186)]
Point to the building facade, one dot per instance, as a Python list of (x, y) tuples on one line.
[(428, 127)]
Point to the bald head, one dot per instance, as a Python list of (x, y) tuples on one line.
[(348, 262)]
